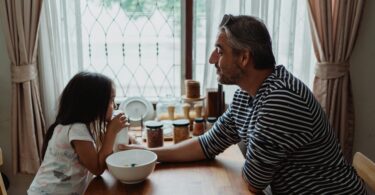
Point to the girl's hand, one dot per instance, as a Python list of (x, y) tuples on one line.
[(117, 123)]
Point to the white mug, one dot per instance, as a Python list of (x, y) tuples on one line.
[(122, 136)]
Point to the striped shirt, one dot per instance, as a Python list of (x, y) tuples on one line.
[(290, 143)]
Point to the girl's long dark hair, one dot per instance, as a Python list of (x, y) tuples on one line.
[(85, 99)]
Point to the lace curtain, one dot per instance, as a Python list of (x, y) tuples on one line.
[(59, 51)]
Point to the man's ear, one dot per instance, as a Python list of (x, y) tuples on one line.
[(245, 58)]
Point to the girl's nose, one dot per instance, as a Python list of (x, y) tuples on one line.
[(213, 58)]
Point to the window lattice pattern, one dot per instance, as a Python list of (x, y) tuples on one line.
[(135, 42)]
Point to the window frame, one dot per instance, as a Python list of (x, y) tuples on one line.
[(189, 38), (187, 19)]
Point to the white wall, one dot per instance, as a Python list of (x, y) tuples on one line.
[(363, 83), (363, 79)]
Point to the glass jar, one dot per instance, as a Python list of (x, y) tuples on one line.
[(198, 127), (169, 108), (154, 133), (210, 122), (180, 130)]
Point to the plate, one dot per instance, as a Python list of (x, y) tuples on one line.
[(137, 108)]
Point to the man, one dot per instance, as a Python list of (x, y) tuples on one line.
[(290, 143)]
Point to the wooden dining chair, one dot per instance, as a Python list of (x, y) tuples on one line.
[(365, 169), (2, 186)]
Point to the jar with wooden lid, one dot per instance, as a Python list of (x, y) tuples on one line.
[(154, 131), (198, 127), (210, 122), (180, 130)]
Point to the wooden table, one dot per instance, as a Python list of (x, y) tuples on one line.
[(220, 176)]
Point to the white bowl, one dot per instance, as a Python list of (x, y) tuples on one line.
[(131, 166)]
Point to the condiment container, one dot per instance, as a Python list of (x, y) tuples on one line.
[(180, 130), (210, 122), (154, 132), (198, 127)]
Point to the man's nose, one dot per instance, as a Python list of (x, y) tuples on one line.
[(213, 57)]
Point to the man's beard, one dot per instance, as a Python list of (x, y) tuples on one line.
[(233, 78)]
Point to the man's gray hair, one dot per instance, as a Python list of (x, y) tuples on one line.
[(248, 32)]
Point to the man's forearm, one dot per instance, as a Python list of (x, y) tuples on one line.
[(188, 150)]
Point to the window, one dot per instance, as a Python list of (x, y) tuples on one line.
[(136, 42)]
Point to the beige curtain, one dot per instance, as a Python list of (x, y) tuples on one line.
[(21, 21), (334, 27)]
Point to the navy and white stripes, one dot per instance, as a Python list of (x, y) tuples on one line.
[(290, 144)]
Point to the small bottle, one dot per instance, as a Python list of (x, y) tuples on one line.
[(171, 110), (198, 110), (180, 130), (186, 110), (210, 122), (198, 128), (154, 133)]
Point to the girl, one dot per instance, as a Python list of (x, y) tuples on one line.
[(81, 137)]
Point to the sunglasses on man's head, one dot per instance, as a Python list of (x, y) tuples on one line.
[(227, 20)]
